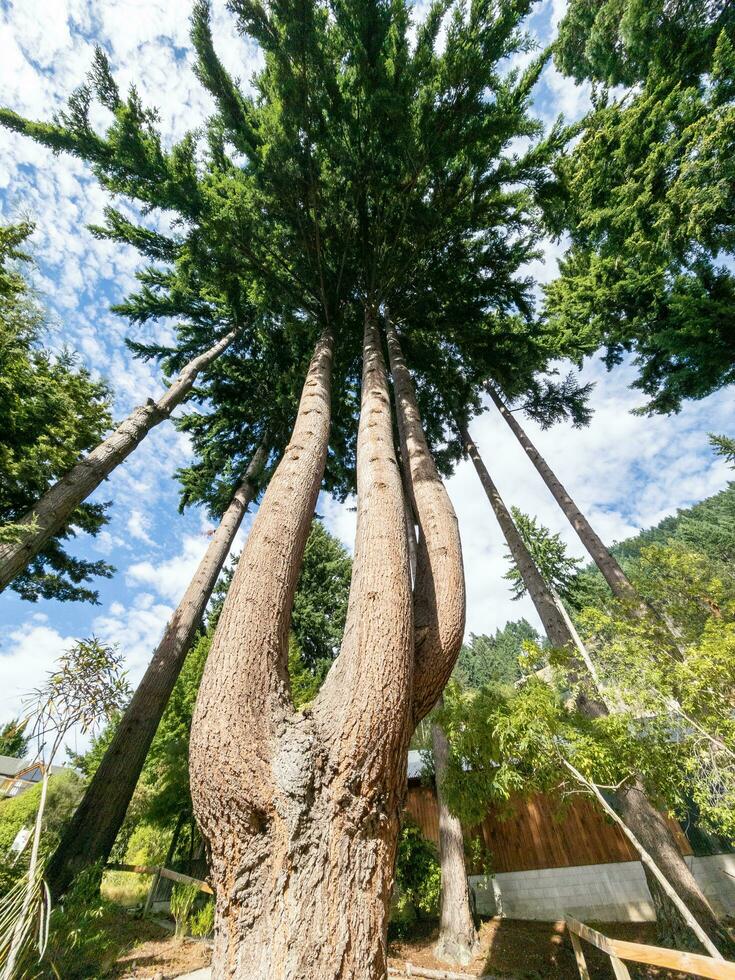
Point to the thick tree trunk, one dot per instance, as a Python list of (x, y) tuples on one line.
[(301, 811), (52, 512), (609, 567), (439, 590), (458, 939), (646, 822), (91, 833), (652, 829)]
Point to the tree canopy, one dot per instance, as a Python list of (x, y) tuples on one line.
[(649, 204)]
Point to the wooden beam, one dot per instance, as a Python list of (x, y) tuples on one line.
[(695, 964), (145, 869)]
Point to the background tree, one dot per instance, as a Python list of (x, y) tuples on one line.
[(650, 231), (494, 658), (549, 554), (13, 738), (54, 410)]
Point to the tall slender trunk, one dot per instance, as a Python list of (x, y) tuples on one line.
[(458, 939), (605, 561), (549, 614), (91, 833), (631, 802), (439, 590), (439, 617), (301, 810), (52, 512)]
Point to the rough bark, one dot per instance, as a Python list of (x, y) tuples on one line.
[(301, 811), (439, 591), (458, 939), (53, 511), (91, 833), (605, 561), (652, 829), (644, 820)]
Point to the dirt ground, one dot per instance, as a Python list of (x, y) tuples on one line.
[(510, 948), (528, 950), (162, 957)]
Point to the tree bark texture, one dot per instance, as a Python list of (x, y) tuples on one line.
[(301, 810), (458, 939), (646, 822), (53, 511), (652, 829), (439, 590), (609, 567), (91, 833)]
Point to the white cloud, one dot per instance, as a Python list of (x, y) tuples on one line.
[(139, 525), (171, 577), (26, 656)]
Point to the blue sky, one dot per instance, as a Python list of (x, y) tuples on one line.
[(626, 471)]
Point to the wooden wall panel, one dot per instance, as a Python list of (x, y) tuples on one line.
[(538, 834)]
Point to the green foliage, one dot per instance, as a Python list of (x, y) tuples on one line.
[(547, 401), (201, 920), (183, 898), (320, 604), (724, 446), (649, 202), (53, 411), (417, 879), (494, 658), (64, 792), (549, 554), (84, 934), (621, 42), (305, 682), (13, 739)]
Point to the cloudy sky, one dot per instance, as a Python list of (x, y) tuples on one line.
[(626, 472)]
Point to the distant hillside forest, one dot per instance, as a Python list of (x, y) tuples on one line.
[(707, 528)]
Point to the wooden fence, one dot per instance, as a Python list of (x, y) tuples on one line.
[(693, 964), (539, 833)]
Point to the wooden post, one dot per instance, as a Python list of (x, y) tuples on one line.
[(619, 969), (579, 956), (169, 856)]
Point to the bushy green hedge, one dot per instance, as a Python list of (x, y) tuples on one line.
[(64, 792), (417, 888)]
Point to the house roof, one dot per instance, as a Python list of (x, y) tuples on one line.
[(11, 766)]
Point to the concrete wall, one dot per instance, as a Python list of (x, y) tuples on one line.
[(600, 892)]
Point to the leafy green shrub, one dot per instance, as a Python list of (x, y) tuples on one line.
[(182, 903), (83, 937), (201, 921), (64, 792), (418, 880)]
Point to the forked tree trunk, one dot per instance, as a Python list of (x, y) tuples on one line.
[(301, 811), (439, 610), (90, 834), (631, 802), (611, 571), (53, 511), (439, 589), (458, 940)]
